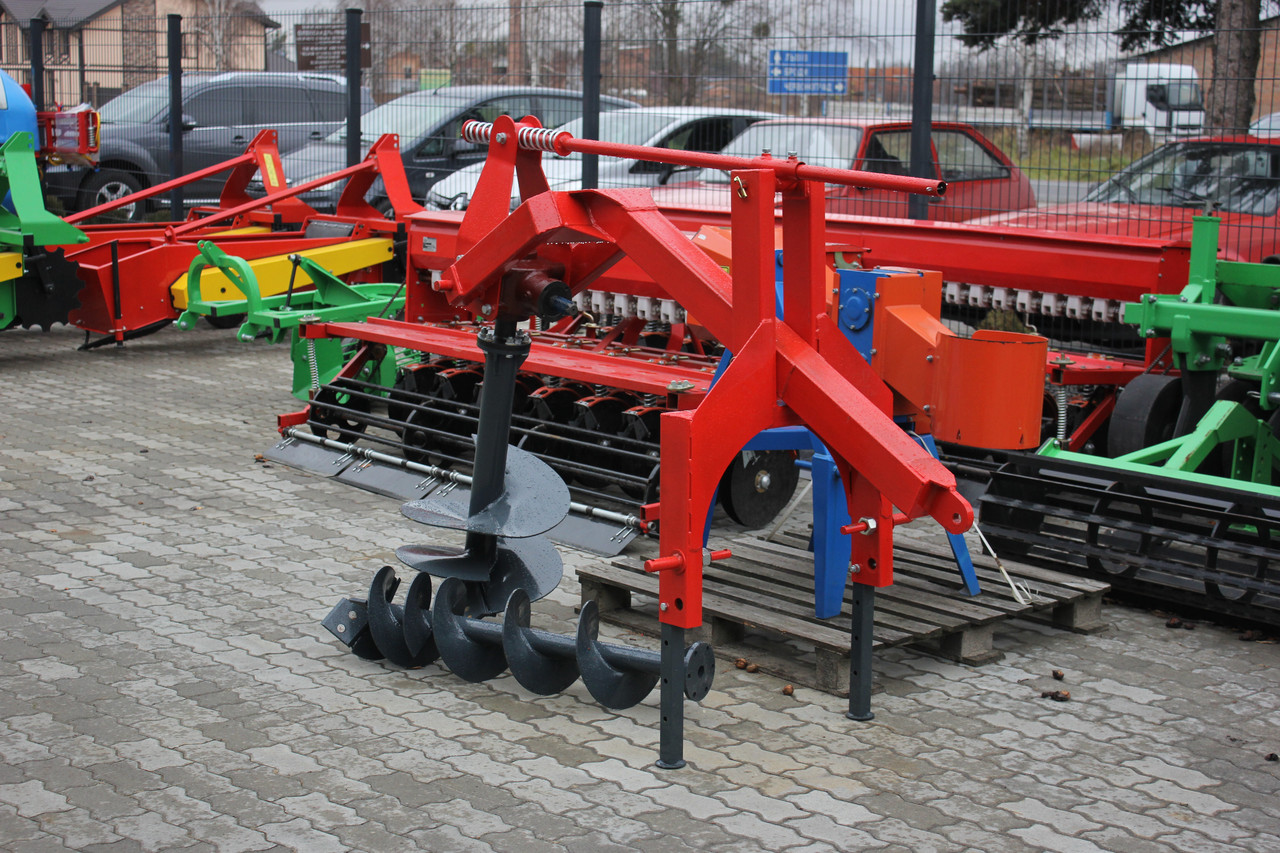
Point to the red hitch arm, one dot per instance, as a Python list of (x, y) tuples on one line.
[(562, 142)]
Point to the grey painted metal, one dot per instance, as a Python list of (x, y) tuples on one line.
[(492, 574), (534, 500), (860, 643), (922, 105), (591, 13), (174, 42), (386, 622), (594, 529), (349, 622), (418, 633), (354, 148), (671, 699), (471, 648), (537, 659)]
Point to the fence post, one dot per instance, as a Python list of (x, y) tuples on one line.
[(177, 210), (37, 62), (591, 11), (353, 86), (922, 106)]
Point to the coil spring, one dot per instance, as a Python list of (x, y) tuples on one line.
[(476, 131), (528, 138), (536, 138)]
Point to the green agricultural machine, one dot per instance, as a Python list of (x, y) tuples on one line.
[(1188, 497), (38, 286)]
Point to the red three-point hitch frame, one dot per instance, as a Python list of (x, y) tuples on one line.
[(801, 371)]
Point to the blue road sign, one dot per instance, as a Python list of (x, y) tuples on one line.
[(808, 72)]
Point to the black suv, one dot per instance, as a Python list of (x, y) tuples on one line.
[(221, 113)]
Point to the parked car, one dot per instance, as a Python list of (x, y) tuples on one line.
[(1238, 177), (1268, 125), (980, 178), (221, 113), (428, 123), (680, 128)]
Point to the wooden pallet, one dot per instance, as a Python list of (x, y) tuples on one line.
[(758, 605)]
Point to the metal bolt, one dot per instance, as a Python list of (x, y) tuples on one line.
[(928, 408), (872, 351), (679, 386), (502, 138), (342, 629), (663, 607), (855, 568), (486, 309), (929, 359), (1182, 299)]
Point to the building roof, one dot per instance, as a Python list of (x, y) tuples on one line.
[(60, 13), (72, 14)]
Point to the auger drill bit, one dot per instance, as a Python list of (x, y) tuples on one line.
[(514, 498)]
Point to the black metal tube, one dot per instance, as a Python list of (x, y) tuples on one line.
[(36, 35), (353, 87), (860, 643), (922, 105), (591, 13), (505, 348), (176, 207), (115, 280), (566, 646), (671, 699)]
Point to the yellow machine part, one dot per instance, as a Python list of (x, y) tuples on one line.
[(10, 265), (273, 271)]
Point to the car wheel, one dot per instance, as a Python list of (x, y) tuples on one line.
[(108, 185)]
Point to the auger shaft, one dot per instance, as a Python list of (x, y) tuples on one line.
[(505, 349)]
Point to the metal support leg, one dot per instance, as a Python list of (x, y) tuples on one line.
[(671, 701), (860, 642), (959, 547)]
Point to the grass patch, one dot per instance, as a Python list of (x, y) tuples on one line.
[(1052, 157)]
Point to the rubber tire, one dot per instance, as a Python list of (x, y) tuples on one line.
[(1145, 414), (108, 184)]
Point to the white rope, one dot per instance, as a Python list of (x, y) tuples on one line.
[(1021, 593)]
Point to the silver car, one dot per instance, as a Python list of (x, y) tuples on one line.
[(679, 128)]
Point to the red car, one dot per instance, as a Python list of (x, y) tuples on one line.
[(1238, 177), (981, 180)]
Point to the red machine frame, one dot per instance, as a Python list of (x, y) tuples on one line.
[(801, 371)]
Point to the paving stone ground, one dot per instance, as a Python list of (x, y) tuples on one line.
[(165, 683)]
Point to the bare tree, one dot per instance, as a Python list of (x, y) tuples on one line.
[(690, 35), (225, 27)]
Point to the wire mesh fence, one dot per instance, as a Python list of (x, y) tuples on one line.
[(1037, 106)]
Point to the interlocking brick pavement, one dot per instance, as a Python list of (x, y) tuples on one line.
[(165, 683)]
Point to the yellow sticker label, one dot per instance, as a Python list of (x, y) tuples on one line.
[(272, 176)]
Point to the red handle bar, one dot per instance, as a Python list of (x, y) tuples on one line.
[(563, 143)]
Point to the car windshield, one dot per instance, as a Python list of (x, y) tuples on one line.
[(1232, 177), (816, 144), (622, 126), (139, 104), (410, 117)]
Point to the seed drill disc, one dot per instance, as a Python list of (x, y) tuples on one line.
[(758, 485)]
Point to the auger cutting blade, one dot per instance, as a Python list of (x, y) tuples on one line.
[(533, 565), (534, 500)]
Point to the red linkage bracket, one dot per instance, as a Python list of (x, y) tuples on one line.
[(799, 372)]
